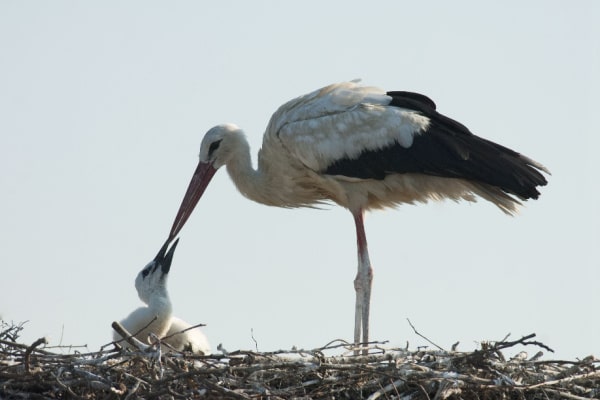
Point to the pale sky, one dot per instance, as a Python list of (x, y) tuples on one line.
[(103, 106)]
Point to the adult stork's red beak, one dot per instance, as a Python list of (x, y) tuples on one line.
[(200, 180)]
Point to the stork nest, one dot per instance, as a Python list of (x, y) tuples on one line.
[(32, 371)]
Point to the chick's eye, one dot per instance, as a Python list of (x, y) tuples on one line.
[(145, 272), (213, 146)]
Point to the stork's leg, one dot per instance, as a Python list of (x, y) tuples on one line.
[(358, 309), (362, 283)]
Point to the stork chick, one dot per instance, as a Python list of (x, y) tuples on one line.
[(157, 316)]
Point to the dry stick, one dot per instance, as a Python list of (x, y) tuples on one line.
[(30, 349), (134, 389), (25, 347), (503, 344), (223, 390), (422, 389), (565, 395), (315, 352), (94, 361), (415, 330), (388, 388), (182, 331), (342, 343), (566, 379), (255, 342), (65, 386), (89, 376), (135, 333), (128, 337)]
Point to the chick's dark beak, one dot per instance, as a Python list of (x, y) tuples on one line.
[(164, 260)]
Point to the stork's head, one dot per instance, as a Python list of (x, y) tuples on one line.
[(217, 148), (218, 144), (152, 280)]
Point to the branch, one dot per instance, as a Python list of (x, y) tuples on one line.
[(415, 330), (503, 344), (128, 337), (30, 349), (182, 331)]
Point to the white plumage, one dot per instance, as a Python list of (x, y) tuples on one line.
[(342, 121), (157, 316), (363, 148), (192, 340)]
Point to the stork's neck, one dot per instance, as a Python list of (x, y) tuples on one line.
[(160, 303), (249, 181), (278, 181), (162, 310)]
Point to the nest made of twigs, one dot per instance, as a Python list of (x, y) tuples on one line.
[(330, 372)]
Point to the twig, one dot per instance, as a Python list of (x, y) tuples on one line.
[(65, 386), (392, 386), (35, 344), (252, 336), (564, 395), (415, 330), (128, 337), (524, 341), (135, 333), (134, 389), (182, 331), (23, 347), (558, 382)]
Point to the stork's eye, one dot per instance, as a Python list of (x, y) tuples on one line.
[(213, 146), (149, 269)]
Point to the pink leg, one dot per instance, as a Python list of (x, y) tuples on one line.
[(362, 282)]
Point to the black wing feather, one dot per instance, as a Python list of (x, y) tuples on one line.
[(447, 149)]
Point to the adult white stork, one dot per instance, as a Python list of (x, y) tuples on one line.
[(363, 148)]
